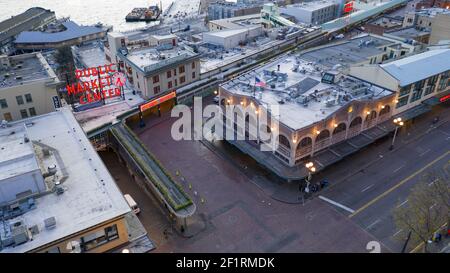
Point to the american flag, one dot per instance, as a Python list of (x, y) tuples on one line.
[(259, 82)]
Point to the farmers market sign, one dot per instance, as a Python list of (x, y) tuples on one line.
[(97, 83)]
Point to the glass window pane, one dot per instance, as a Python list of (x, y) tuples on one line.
[(19, 100)]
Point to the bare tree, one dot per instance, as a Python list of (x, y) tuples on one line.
[(428, 206)]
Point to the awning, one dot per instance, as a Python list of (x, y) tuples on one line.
[(414, 112), (431, 101)]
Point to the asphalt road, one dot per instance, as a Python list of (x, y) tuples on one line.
[(376, 190)]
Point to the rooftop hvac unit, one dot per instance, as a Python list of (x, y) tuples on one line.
[(50, 223), (19, 233), (34, 230), (4, 61)]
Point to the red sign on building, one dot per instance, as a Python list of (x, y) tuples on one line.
[(348, 6), (157, 101), (97, 83), (445, 98)]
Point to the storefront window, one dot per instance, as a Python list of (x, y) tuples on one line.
[(99, 238)]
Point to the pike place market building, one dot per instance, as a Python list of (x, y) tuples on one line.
[(155, 68), (325, 115)]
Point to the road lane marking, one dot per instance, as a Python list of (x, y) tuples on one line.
[(397, 233), (422, 154), (404, 202), (398, 169), (432, 182), (398, 185), (373, 224), (444, 132), (336, 204), (365, 189)]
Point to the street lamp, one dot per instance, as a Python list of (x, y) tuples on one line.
[(311, 170), (398, 123)]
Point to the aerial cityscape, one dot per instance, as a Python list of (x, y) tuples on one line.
[(214, 126)]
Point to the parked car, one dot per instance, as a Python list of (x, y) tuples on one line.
[(133, 205)]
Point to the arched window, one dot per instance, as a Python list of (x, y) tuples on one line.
[(305, 142), (385, 110), (323, 135), (355, 122), (371, 116), (284, 141), (340, 128)]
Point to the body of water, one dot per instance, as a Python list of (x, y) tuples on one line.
[(86, 12)]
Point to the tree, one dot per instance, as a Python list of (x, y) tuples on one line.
[(66, 66), (428, 206)]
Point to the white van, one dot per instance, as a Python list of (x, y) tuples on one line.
[(133, 205)]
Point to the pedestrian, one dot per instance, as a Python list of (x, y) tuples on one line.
[(436, 120)]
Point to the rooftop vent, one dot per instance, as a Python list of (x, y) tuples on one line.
[(59, 189)]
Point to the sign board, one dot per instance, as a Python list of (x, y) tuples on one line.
[(157, 101), (97, 83), (56, 102), (445, 98), (348, 7)]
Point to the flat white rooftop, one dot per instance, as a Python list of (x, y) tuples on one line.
[(239, 21), (91, 196), (311, 6), (419, 66), (91, 55), (230, 32), (151, 58), (16, 155), (294, 85), (25, 69)]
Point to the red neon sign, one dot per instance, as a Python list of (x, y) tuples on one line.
[(445, 98), (348, 7), (157, 101), (97, 83)]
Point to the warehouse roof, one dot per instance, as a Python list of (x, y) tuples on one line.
[(72, 31)]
